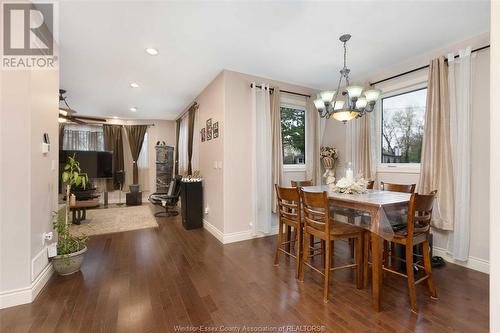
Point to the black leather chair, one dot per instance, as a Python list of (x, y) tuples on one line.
[(168, 200)]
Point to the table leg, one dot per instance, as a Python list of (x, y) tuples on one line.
[(376, 271)]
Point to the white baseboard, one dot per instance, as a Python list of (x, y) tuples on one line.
[(474, 263), (233, 237), (28, 294)]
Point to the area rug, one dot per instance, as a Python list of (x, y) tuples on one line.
[(112, 220)]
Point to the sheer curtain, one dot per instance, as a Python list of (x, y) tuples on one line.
[(183, 146), (358, 147), (83, 137), (143, 165), (460, 86), (262, 159), (313, 133)]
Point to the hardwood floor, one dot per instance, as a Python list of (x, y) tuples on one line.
[(154, 279)]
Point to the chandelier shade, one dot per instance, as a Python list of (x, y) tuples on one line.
[(350, 104)]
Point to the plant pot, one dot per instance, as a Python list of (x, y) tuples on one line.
[(69, 263)]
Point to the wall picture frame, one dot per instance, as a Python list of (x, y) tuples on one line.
[(209, 129), (203, 134), (215, 130)]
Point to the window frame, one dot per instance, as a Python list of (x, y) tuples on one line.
[(395, 167), (298, 105)]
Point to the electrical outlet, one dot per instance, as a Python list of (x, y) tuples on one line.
[(207, 210)]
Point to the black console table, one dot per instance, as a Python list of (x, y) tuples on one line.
[(192, 205)]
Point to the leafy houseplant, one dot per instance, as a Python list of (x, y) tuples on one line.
[(70, 249)]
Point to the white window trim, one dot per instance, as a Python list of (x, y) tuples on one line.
[(395, 167), (299, 105)]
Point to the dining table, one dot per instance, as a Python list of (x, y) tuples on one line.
[(376, 205)]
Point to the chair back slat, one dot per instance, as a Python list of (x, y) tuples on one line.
[(301, 183), (420, 212), (288, 203), (406, 188), (315, 210)]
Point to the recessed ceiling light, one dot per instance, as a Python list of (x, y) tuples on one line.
[(115, 117), (134, 85), (133, 109), (152, 51)]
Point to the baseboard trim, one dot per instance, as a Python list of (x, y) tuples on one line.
[(234, 237), (26, 295), (474, 263)]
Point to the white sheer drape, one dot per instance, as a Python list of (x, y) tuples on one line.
[(143, 165), (262, 157), (359, 131), (460, 86), (183, 146), (313, 132), (195, 159)]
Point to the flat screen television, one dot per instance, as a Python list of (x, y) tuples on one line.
[(96, 164)]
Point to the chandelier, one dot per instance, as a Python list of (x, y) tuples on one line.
[(351, 104)]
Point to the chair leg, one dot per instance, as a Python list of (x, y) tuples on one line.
[(428, 268), (366, 255), (305, 256), (351, 220), (311, 242), (411, 278), (323, 252), (358, 254), (326, 281), (392, 253), (298, 250), (332, 261), (278, 245), (288, 237), (385, 254)]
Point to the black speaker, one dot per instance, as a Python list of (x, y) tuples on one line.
[(192, 205)]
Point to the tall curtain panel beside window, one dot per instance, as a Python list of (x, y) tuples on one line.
[(113, 141), (460, 87), (436, 169), (182, 146), (262, 159), (313, 133)]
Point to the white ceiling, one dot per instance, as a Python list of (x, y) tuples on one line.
[(102, 45)]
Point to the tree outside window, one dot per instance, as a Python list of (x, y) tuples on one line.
[(293, 135), (403, 127)]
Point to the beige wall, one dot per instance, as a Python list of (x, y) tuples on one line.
[(29, 104)]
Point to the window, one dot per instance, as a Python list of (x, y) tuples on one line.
[(403, 126), (293, 134)]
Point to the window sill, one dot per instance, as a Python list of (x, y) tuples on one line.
[(396, 168), (294, 168)]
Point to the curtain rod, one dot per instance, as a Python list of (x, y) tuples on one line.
[(420, 68), (283, 91), (195, 104)]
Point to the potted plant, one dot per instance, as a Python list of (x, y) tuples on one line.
[(70, 249)]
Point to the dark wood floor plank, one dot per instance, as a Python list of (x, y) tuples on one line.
[(151, 280)]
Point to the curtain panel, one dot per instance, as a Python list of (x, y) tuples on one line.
[(276, 145), (262, 188), (460, 88), (81, 137), (135, 134), (176, 157), (182, 147), (113, 141), (314, 143), (436, 169), (191, 119)]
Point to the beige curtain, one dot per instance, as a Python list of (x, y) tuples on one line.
[(135, 134), (176, 157), (277, 152), (436, 171), (365, 150), (314, 142), (128, 161)]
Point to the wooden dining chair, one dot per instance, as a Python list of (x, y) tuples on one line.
[(317, 222), (417, 232), (289, 216), (406, 188), (302, 183)]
